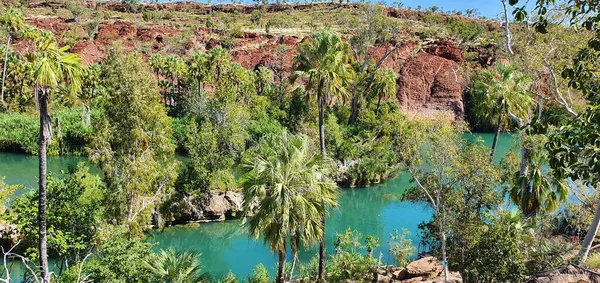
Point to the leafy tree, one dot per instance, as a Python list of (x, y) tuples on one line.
[(51, 66), (324, 61), (175, 267), (132, 144), (119, 258), (401, 247), (457, 180), (502, 93), (572, 146), (89, 90), (74, 214), (12, 19), (286, 190), (75, 8), (499, 247)]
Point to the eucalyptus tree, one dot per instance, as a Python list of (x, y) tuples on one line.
[(132, 143), (324, 61), (286, 193), (454, 177), (89, 89), (384, 85), (12, 19), (502, 93), (51, 66)]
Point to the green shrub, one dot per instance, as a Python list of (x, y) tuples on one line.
[(19, 132), (260, 274), (593, 261)]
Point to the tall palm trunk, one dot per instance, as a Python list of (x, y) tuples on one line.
[(590, 236), (43, 168), (281, 267), (321, 100), (5, 63), (355, 108), (496, 135)]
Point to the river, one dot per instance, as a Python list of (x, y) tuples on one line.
[(225, 246)]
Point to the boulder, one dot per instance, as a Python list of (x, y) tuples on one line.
[(399, 274), (427, 267), (413, 280), (453, 277), (383, 278)]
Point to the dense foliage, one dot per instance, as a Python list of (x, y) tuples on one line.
[(170, 127)]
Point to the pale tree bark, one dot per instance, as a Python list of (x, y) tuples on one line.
[(43, 170), (2, 104), (507, 30), (589, 237)]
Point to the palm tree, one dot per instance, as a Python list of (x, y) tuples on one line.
[(324, 60), (51, 66), (384, 85), (12, 19), (502, 93), (536, 189), (175, 267), (198, 69), (286, 192)]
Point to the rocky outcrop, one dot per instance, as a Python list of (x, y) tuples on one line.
[(216, 206), (567, 274), (429, 78), (427, 269)]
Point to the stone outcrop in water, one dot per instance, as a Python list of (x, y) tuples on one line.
[(215, 206), (427, 269)]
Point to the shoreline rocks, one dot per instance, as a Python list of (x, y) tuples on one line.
[(215, 207)]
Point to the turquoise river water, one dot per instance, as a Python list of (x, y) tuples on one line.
[(225, 246)]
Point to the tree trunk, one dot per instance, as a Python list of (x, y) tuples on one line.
[(293, 266), (5, 63), (87, 120), (496, 135), (322, 254), (281, 267), (523, 172), (44, 136), (355, 109), (321, 101), (444, 258), (589, 237)]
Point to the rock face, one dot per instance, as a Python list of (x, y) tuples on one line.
[(217, 206), (427, 267), (429, 79)]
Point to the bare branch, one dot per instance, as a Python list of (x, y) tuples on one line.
[(507, 30)]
